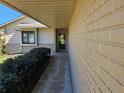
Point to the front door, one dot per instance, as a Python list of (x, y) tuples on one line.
[(61, 40)]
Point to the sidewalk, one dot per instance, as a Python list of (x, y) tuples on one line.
[(56, 78)]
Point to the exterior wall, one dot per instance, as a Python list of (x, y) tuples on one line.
[(28, 48), (13, 38), (13, 48), (45, 37), (13, 35), (96, 46)]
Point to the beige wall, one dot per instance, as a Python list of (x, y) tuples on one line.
[(13, 35), (96, 46), (44, 37)]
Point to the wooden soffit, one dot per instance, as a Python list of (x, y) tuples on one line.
[(53, 13)]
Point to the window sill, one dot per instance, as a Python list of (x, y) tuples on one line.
[(29, 45)]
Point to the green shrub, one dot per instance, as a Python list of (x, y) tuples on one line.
[(10, 84), (22, 72), (3, 49)]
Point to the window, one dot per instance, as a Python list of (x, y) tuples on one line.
[(28, 37)]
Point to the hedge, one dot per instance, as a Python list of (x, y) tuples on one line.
[(21, 73)]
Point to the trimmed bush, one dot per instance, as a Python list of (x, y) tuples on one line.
[(21, 73)]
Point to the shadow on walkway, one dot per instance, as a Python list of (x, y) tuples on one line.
[(56, 78)]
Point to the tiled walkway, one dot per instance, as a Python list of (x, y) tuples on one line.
[(56, 78)]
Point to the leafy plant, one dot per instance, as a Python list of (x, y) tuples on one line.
[(22, 72), (2, 47)]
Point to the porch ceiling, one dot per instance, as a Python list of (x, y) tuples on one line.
[(53, 13)]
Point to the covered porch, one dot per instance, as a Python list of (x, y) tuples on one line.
[(95, 41), (56, 78)]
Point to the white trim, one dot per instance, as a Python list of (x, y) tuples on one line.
[(29, 45)]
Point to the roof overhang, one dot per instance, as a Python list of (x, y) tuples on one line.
[(53, 13), (12, 21), (31, 25)]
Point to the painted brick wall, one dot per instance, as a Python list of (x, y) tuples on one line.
[(96, 46)]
